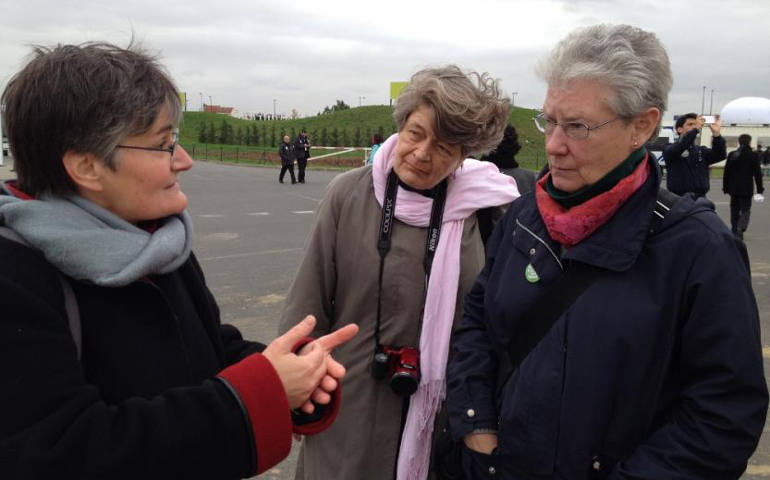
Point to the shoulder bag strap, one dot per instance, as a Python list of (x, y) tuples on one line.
[(543, 313), (70, 302)]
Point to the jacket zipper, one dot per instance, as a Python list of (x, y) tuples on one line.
[(555, 257)]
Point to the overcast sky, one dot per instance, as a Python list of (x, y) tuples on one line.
[(306, 54)]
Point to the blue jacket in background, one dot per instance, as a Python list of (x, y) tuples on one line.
[(655, 371), (687, 164)]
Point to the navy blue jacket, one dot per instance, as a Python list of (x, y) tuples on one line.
[(687, 164), (656, 370)]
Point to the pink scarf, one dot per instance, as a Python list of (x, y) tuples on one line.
[(473, 186), (570, 226)]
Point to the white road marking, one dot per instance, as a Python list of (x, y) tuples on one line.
[(761, 470), (211, 215), (252, 254), (303, 212), (220, 236), (257, 214)]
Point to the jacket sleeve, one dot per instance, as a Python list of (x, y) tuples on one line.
[(716, 423), (757, 171), (726, 176), (313, 288), (61, 427), (718, 150), (674, 152), (472, 373)]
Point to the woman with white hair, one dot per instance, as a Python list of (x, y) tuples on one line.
[(626, 316)]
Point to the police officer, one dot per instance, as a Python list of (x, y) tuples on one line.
[(302, 150), (286, 150)]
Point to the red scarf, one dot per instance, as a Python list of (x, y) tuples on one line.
[(570, 226)]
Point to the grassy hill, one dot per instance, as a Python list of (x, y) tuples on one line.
[(353, 128)]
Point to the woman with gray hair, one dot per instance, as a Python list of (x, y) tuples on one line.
[(395, 248), (613, 332)]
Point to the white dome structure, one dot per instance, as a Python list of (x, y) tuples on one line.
[(746, 111)]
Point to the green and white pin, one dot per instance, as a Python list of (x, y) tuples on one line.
[(531, 275)]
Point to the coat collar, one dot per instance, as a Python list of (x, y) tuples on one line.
[(614, 246)]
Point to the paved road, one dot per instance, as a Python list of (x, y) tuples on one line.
[(251, 231)]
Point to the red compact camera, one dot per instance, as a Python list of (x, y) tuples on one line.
[(401, 365)]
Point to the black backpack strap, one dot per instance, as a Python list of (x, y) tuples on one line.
[(543, 313), (541, 316), (70, 302), (663, 204)]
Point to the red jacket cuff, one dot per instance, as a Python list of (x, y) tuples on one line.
[(301, 343), (330, 410), (329, 415), (261, 393)]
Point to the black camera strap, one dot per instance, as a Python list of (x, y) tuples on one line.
[(386, 232)]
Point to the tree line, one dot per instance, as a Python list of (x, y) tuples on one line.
[(261, 135)]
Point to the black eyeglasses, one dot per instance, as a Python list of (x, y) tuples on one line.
[(574, 130), (170, 149)]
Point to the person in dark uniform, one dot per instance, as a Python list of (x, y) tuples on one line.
[(504, 156), (302, 150), (286, 150), (741, 172), (687, 164)]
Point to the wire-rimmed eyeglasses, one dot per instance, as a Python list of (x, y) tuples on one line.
[(170, 149), (574, 130)]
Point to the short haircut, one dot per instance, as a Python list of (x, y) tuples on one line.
[(683, 119), (630, 61), (468, 109), (85, 98), (744, 139)]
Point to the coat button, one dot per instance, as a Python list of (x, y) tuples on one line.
[(532, 251), (492, 470), (471, 413)]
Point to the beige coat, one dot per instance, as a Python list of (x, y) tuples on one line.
[(337, 282)]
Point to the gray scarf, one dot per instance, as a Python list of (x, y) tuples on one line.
[(86, 242)]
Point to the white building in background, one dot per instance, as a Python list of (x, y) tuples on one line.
[(743, 115)]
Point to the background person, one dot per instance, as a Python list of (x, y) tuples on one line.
[(742, 170), (504, 157), (288, 154), (687, 164), (637, 378), (302, 150), (376, 143), (443, 116), (154, 387)]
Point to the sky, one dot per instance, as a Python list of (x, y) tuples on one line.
[(306, 54)]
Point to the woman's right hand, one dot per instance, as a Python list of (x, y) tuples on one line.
[(481, 442)]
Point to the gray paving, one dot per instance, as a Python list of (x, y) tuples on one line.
[(251, 231)]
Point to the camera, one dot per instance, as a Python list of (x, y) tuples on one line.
[(401, 365)]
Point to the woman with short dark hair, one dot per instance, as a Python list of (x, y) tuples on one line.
[(114, 361)]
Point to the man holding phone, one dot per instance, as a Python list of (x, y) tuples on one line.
[(687, 164)]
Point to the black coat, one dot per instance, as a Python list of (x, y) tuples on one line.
[(301, 148), (657, 366), (687, 164), (287, 152), (742, 170), (142, 402)]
